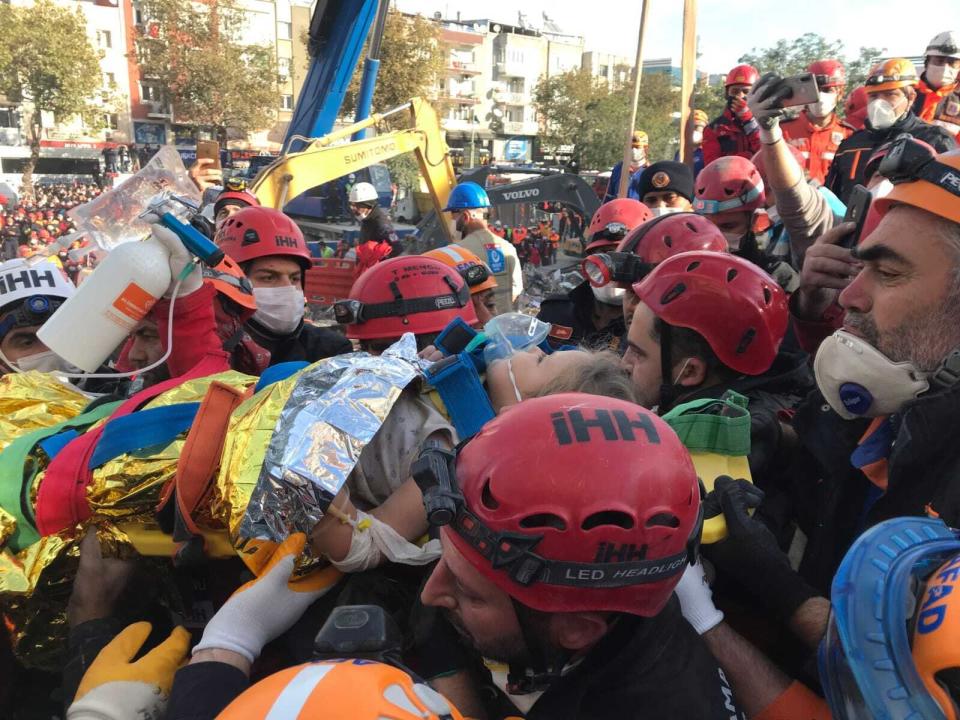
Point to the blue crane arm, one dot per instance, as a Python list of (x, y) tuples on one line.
[(338, 30)]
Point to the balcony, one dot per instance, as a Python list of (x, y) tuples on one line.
[(459, 125), (515, 98), (11, 136), (157, 109), (511, 68), (459, 67), (527, 127), (460, 97)]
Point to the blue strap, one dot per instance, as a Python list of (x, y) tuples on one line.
[(55, 443), (458, 383), (142, 429), (278, 372)]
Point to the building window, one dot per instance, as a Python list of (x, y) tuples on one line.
[(111, 121), (283, 67), (286, 102), (109, 80), (516, 85), (284, 31), (103, 39), (515, 115), (603, 71), (149, 91), (8, 118)]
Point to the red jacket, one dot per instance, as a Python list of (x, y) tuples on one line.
[(727, 135), (371, 252), (817, 145)]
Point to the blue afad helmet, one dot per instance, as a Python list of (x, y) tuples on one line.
[(890, 651), (467, 196)]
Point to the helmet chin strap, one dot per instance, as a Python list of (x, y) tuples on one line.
[(544, 663)]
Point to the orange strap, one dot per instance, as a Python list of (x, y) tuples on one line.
[(201, 453), (797, 702)]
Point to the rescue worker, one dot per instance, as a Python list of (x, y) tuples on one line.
[(665, 187), (377, 240), (734, 132), (558, 641), (890, 88), (477, 275), (498, 230), (232, 201), (730, 193), (273, 254), (29, 295), (639, 159), (817, 132), (587, 315), (938, 92), (468, 204)]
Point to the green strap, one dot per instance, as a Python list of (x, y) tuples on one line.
[(717, 425), (17, 472)]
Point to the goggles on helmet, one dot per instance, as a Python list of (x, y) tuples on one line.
[(614, 267), (240, 283), (612, 230), (866, 664), (436, 476), (34, 310), (879, 79), (703, 206), (352, 312), (908, 161)]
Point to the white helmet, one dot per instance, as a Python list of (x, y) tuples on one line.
[(20, 279), (945, 44), (363, 192)]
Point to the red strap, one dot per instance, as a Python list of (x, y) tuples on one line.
[(62, 498)]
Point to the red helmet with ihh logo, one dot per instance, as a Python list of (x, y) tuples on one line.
[(410, 293), (257, 232), (614, 220), (668, 235), (742, 75), (728, 184), (829, 73), (555, 543), (738, 309)]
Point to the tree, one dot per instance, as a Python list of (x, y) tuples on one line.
[(47, 63), (412, 60), (792, 57), (194, 52), (857, 70)]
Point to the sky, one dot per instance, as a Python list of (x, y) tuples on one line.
[(727, 28)]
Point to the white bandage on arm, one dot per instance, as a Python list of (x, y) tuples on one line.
[(374, 541)]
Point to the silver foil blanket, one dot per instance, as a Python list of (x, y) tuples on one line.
[(334, 410)]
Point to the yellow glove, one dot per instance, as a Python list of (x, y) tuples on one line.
[(113, 688)]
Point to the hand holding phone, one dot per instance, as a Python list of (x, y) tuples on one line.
[(209, 150), (858, 205)]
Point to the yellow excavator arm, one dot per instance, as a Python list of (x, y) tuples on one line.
[(323, 161)]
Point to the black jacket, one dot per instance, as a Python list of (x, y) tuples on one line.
[(853, 153), (834, 498), (203, 690), (644, 668), (307, 342), (572, 317), (377, 226)]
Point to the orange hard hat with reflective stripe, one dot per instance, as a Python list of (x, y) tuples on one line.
[(347, 689), (927, 195), (465, 263), (890, 75)]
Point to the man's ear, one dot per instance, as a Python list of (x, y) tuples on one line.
[(691, 372), (910, 93), (578, 631)]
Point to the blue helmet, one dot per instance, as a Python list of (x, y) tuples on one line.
[(467, 196)]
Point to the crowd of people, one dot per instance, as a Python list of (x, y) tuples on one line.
[(714, 480)]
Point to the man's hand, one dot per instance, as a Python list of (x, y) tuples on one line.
[(182, 264), (98, 584), (827, 269), (740, 108), (204, 175), (430, 354), (766, 103)]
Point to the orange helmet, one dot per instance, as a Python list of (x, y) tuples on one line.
[(342, 689), (924, 194), (936, 653), (229, 280), (471, 268), (890, 75)]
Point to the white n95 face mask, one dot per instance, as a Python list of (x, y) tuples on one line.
[(857, 380), (941, 75), (46, 361), (664, 210), (823, 107), (279, 309), (881, 114), (697, 137)]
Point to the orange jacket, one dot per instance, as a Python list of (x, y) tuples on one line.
[(939, 106), (817, 145)]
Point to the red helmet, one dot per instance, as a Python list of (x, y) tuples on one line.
[(739, 310), (855, 109), (531, 524), (757, 161), (829, 73), (234, 197), (614, 220), (257, 232), (728, 184), (668, 235), (742, 75), (410, 293)]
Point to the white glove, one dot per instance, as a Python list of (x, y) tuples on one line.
[(180, 258), (265, 608), (696, 599)]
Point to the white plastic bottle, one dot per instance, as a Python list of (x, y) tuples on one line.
[(88, 327)]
